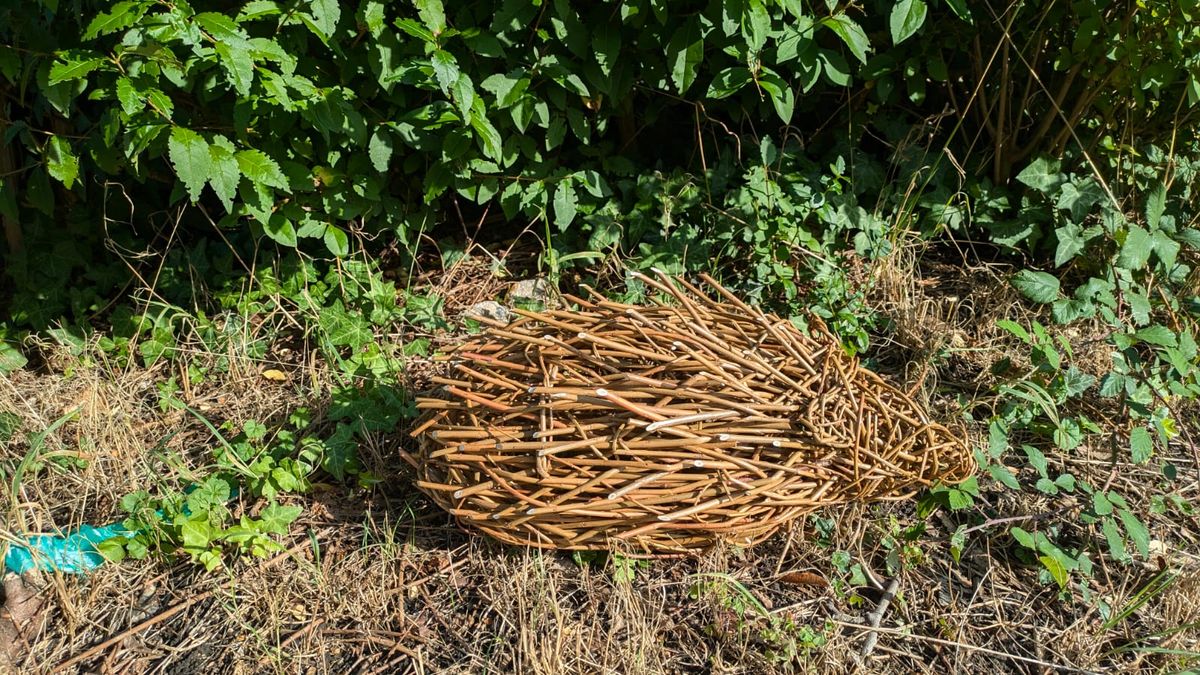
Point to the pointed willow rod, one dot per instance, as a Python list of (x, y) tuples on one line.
[(669, 426)]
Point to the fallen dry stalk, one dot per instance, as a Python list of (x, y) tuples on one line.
[(669, 426)]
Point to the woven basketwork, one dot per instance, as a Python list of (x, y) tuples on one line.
[(670, 427)]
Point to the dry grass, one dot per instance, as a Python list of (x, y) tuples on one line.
[(380, 581)]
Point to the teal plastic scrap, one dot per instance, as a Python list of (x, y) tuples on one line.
[(72, 553)]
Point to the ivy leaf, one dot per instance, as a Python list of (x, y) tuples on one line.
[(122, 16), (74, 66), (380, 150), (445, 68), (851, 33), (1037, 286), (225, 173), (1042, 174), (1141, 445), (61, 162), (192, 159), (1070, 243), (685, 52), (565, 204), (261, 169), (275, 519), (1135, 252), (343, 328), (907, 17)]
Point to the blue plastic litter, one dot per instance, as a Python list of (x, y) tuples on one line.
[(72, 553)]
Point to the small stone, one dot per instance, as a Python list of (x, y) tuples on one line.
[(537, 290), (489, 309)]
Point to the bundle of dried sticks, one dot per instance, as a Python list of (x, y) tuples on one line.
[(668, 426)]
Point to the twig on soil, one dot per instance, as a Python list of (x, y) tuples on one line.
[(876, 616)]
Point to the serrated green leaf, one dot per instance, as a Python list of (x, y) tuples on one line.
[(1156, 204), (121, 16), (225, 173), (325, 15), (260, 168), (1037, 286), (343, 328), (74, 66), (192, 159), (1165, 248), (1116, 541), (238, 65), (1037, 459), (1135, 252), (11, 358), (1014, 328), (445, 69), (1141, 445), (61, 161), (128, 95), (1136, 530), (222, 28), (1157, 335), (488, 136), (907, 17), (432, 14), (1004, 476)]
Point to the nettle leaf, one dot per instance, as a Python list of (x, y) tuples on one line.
[(74, 65), (1042, 174), (685, 52), (851, 33), (122, 16), (565, 204), (61, 162), (225, 172), (1135, 252), (260, 168), (907, 17), (1037, 286), (1141, 445), (192, 159)]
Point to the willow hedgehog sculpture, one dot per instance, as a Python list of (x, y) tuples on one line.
[(670, 426)]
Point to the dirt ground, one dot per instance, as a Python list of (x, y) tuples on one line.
[(380, 581)]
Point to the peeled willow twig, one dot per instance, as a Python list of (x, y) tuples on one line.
[(668, 426)]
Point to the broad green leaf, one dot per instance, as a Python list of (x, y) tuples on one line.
[(1139, 307), (373, 16), (851, 33), (1037, 459), (685, 52), (1116, 541), (192, 159), (380, 149), (1100, 504), (493, 145), (432, 14), (506, 87), (11, 358), (337, 241), (279, 228), (415, 29), (1004, 476), (1056, 569), (783, 99), (325, 15), (1135, 252), (1042, 174), (756, 24), (275, 519), (1014, 328), (565, 203), (74, 66), (61, 162), (1137, 531), (960, 8), (258, 167), (1141, 445), (907, 17), (728, 82), (1165, 248), (1037, 286)]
